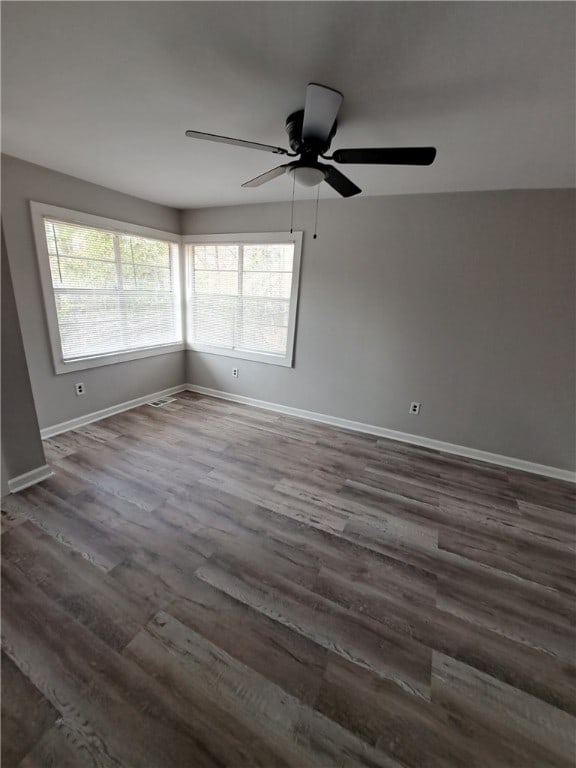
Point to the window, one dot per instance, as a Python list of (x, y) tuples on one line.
[(242, 294), (112, 291)]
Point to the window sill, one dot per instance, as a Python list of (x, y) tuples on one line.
[(285, 361), (116, 357)]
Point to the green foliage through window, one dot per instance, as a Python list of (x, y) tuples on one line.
[(240, 297), (114, 292)]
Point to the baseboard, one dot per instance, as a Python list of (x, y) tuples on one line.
[(81, 421), (35, 476), (29, 478), (391, 434)]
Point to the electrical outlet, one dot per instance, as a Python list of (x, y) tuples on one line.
[(235, 372), (80, 388), (415, 408)]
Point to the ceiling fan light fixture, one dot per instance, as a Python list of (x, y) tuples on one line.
[(307, 176)]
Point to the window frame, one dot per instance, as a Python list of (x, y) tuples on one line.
[(41, 210), (249, 238)]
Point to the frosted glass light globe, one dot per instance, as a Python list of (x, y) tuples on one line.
[(307, 177)]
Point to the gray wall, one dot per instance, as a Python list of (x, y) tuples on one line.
[(4, 490), (54, 394), (464, 302), (21, 445)]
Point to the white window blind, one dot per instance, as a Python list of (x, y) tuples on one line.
[(241, 298), (113, 292)]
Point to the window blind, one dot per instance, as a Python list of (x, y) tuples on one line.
[(239, 296), (113, 292)]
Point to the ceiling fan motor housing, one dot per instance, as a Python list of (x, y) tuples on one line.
[(313, 147)]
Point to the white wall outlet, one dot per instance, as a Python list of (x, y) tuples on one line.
[(80, 388), (415, 408), (235, 372)]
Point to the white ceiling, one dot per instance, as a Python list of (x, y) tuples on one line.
[(105, 90)]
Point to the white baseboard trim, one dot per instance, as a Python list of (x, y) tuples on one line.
[(36, 475), (29, 478), (391, 434), (81, 421)]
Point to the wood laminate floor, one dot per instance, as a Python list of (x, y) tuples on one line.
[(209, 584)]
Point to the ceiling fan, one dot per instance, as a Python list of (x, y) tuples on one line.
[(310, 133)]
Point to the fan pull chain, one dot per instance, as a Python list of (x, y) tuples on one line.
[(316, 214), (292, 211)]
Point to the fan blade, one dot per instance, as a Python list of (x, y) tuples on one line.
[(268, 176), (320, 111), (236, 142), (389, 156), (340, 183)]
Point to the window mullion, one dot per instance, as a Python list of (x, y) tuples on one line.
[(57, 254), (239, 324), (133, 266), (193, 308), (121, 296)]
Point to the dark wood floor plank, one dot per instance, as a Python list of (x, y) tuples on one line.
[(415, 733), (531, 727), (522, 666), (307, 545), (108, 477), (26, 714), (11, 517), (60, 520), (70, 745), (279, 728), (367, 643), (531, 561), (92, 435), (556, 494), (292, 505), (522, 611), (211, 584), (91, 686), (285, 657), (135, 577), (553, 523), (92, 598), (490, 523), (160, 543)]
